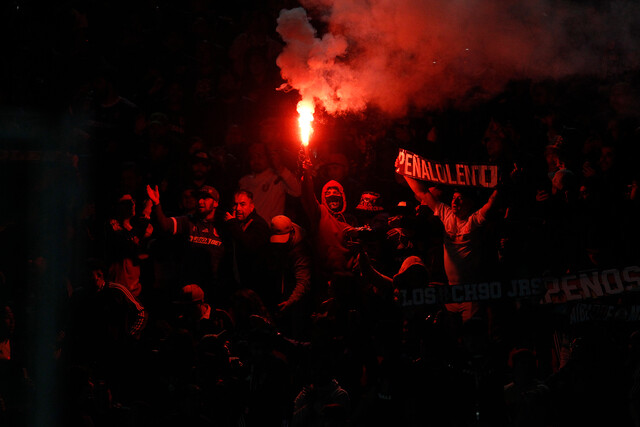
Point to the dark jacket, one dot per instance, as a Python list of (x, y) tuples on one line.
[(249, 242), (289, 267)]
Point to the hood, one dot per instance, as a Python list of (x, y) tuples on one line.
[(334, 184)]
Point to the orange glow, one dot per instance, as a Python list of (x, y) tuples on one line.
[(305, 109)]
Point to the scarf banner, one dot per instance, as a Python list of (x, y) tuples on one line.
[(604, 312), (459, 174), (548, 290)]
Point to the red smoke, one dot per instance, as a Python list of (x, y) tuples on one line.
[(393, 54)]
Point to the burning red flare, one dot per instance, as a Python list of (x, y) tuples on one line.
[(305, 109)]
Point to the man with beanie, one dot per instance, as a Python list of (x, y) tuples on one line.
[(203, 245)]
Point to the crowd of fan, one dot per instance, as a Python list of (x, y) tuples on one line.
[(207, 273)]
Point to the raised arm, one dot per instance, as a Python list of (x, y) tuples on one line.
[(291, 182), (166, 224), (382, 284), (491, 203), (498, 193), (309, 200), (292, 185), (422, 193)]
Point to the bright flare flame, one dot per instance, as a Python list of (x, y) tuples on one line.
[(305, 109)]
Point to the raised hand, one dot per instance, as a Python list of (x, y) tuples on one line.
[(154, 194)]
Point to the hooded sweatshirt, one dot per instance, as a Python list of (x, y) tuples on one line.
[(340, 188), (331, 239)]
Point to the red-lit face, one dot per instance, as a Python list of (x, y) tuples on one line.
[(552, 160), (97, 276), (607, 158), (200, 169), (188, 201), (459, 204), (331, 195), (243, 206), (258, 160), (207, 206)]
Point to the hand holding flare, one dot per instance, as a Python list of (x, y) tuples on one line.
[(305, 109)]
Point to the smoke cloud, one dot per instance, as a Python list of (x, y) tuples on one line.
[(397, 54)]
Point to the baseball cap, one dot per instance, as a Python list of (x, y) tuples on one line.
[(126, 198), (206, 191), (369, 201), (281, 227), (191, 293)]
